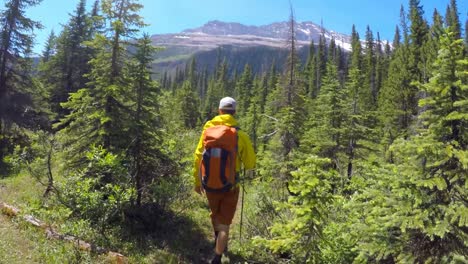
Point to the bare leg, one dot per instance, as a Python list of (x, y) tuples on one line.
[(215, 224), (223, 237)]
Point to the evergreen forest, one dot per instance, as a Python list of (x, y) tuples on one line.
[(361, 155)]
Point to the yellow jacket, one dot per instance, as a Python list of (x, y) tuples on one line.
[(245, 151)]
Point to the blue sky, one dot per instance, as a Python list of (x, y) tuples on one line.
[(171, 16)]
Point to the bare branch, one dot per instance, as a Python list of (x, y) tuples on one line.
[(268, 135), (271, 117)]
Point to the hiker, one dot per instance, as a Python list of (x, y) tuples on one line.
[(222, 148)]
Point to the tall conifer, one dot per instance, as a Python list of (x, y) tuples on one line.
[(452, 19), (147, 159), (16, 39)]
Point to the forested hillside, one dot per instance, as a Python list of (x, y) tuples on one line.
[(258, 46), (362, 155)]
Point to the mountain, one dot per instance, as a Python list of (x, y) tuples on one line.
[(235, 41), (270, 35)]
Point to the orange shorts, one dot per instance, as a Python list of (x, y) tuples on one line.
[(223, 206)]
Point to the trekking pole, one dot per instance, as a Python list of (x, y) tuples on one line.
[(242, 207)]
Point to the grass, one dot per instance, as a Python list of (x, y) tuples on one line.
[(19, 190), (182, 234), (15, 247), (22, 243)]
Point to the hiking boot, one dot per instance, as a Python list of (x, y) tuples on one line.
[(216, 259)]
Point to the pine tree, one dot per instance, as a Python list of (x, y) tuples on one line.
[(354, 130), (16, 39), (311, 70), (302, 234), (97, 21), (217, 88), (341, 62), (324, 127), (396, 98), (281, 125), (98, 111), (263, 92), (354, 127), (67, 69), (252, 117), (49, 51), (45, 74), (399, 98), (418, 38), (223, 80), (370, 96), (321, 65), (452, 19), (423, 190), (396, 38), (404, 25), (124, 22), (290, 114), (466, 34), (192, 74), (164, 80), (147, 159), (244, 91), (267, 127), (432, 45), (356, 55), (78, 58), (188, 104), (210, 101), (332, 51), (49, 48), (379, 67)]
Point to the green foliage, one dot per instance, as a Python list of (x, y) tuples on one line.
[(11, 163), (371, 90), (423, 206), (325, 124), (148, 161), (361, 156), (64, 67), (418, 37), (452, 19), (397, 99), (16, 86), (188, 103), (39, 159), (252, 120), (244, 91), (305, 213), (90, 195), (218, 87)]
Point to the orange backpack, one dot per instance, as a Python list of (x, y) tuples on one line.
[(218, 165)]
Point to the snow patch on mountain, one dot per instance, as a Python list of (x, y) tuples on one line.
[(305, 32)]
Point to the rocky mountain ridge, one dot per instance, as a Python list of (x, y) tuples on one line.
[(239, 44)]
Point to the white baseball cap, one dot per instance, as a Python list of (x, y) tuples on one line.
[(227, 103)]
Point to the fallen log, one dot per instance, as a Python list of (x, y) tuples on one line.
[(113, 257), (8, 210)]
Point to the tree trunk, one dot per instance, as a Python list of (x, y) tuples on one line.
[(50, 182)]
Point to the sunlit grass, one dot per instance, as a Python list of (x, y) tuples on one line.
[(19, 189)]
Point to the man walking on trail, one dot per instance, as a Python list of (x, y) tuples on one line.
[(222, 150)]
